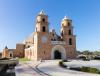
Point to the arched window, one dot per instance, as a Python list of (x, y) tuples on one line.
[(28, 46), (62, 33), (69, 32), (11, 55), (62, 25), (70, 41), (68, 23), (43, 20), (43, 28)]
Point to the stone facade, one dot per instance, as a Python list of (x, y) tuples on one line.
[(45, 45), (19, 52)]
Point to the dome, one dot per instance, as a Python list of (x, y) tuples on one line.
[(66, 21), (41, 12), (65, 18)]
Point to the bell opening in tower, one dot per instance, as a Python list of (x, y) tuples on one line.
[(43, 20), (43, 29)]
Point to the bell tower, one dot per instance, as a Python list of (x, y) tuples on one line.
[(66, 27), (42, 22), (68, 37), (41, 36)]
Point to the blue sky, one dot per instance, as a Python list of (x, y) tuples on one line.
[(17, 20)]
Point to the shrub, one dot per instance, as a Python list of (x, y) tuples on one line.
[(97, 58), (4, 58), (85, 69), (62, 64), (90, 70), (65, 60), (76, 68)]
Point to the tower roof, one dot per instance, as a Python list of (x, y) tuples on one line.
[(66, 18), (6, 47), (42, 13)]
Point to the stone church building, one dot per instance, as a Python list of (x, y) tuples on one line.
[(44, 44)]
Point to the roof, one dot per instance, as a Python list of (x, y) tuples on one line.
[(66, 18), (29, 38), (6, 47), (42, 13)]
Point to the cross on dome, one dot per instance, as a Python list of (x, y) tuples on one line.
[(65, 18), (42, 12)]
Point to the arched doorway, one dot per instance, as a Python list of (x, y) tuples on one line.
[(11, 55), (58, 52), (57, 55)]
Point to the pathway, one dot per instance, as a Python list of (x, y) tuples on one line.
[(27, 69)]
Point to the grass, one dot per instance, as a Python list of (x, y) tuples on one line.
[(83, 69), (23, 59), (90, 70)]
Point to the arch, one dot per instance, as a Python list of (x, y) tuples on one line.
[(11, 55), (57, 54), (43, 29), (70, 41), (68, 23), (69, 32), (43, 20), (60, 49)]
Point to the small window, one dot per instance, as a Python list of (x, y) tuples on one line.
[(28, 46), (62, 25), (68, 23), (62, 33), (11, 55), (70, 41), (43, 20), (44, 52), (69, 32), (43, 29)]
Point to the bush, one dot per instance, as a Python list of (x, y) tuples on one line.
[(3, 67), (85, 69), (97, 58), (65, 60), (90, 70), (82, 57), (76, 68), (4, 58), (62, 65)]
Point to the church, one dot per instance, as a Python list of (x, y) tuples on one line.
[(46, 45), (43, 44)]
